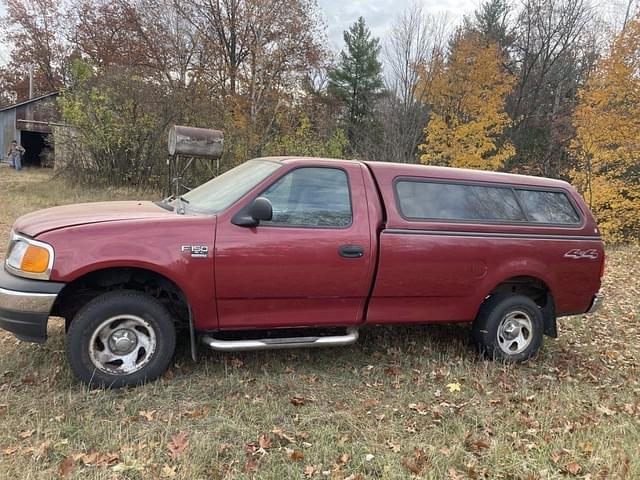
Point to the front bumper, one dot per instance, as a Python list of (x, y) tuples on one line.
[(596, 303), (25, 306)]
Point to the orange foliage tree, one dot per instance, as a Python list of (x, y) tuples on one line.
[(607, 143), (467, 94)]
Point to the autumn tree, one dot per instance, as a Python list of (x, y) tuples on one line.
[(467, 95), (258, 53), (552, 55), (35, 32), (357, 80), (119, 135), (607, 143), (414, 40)]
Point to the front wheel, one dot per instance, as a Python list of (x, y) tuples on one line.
[(509, 327), (121, 338)]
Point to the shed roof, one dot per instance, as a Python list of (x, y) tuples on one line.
[(31, 100)]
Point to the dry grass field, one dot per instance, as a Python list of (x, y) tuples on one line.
[(409, 402)]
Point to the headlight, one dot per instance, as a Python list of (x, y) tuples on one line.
[(29, 258)]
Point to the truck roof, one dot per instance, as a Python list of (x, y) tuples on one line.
[(390, 170)]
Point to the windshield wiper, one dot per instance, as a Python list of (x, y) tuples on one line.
[(164, 204)]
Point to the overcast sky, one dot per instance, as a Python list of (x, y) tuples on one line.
[(379, 14), (340, 14)]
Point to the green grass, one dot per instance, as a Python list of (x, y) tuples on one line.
[(379, 409)]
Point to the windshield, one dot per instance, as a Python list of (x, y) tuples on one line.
[(221, 192)]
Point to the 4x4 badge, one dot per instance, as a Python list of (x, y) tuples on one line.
[(577, 253), (197, 251)]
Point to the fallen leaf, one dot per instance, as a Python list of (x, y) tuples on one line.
[(252, 465), (147, 414), (371, 403), (251, 448), (29, 379), (605, 411), (295, 455), (26, 433), (394, 447), (264, 441), (9, 450), (196, 412), (309, 471), (168, 471), (344, 458), (282, 435), (178, 444), (587, 448), (66, 467), (453, 387), (369, 457), (297, 401), (572, 467), (97, 459), (391, 371), (43, 448), (237, 363), (420, 407), (412, 467), (224, 447)]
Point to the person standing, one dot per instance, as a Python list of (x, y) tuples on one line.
[(16, 151)]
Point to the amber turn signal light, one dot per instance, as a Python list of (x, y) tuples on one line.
[(35, 260)]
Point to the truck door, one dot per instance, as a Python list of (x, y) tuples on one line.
[(311, 265)]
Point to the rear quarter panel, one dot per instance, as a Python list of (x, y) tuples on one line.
[(442, 271)]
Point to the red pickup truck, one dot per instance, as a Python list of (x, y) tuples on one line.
[(296, 252)]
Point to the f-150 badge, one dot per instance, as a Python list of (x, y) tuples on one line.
[(196, 251), (577, 253)]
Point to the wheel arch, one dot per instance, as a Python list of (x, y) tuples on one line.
[(90, 284), (535, 288)]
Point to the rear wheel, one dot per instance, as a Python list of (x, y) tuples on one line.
[(121, 338), (509, 327)]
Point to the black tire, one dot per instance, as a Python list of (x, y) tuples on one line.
[(506, 312), (134, 319)]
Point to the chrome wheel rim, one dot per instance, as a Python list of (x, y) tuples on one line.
[(515, 332), (122, 345)]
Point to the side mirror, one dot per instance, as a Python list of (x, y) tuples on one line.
[(259, 210)]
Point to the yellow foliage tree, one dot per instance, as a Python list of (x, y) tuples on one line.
[(467, 95), (607, 143)]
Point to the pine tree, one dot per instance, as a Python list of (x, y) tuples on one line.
[(491, 21), (357, 79)]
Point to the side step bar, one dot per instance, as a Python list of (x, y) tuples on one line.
[(278, 343)]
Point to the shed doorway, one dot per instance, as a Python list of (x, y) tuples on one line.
[(36, 148)]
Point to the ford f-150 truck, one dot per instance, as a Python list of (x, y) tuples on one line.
[(296, 252)]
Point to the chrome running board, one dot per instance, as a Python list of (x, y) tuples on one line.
[(278, 343)]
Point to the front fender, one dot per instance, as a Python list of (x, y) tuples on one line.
[(155, 245)]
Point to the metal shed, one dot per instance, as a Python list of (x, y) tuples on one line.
[(29, 123)]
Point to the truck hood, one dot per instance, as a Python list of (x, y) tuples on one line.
[(37, 223)]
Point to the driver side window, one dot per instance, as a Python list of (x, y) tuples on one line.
[(311, 197)]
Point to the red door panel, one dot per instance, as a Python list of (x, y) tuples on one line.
[(284, 276)]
